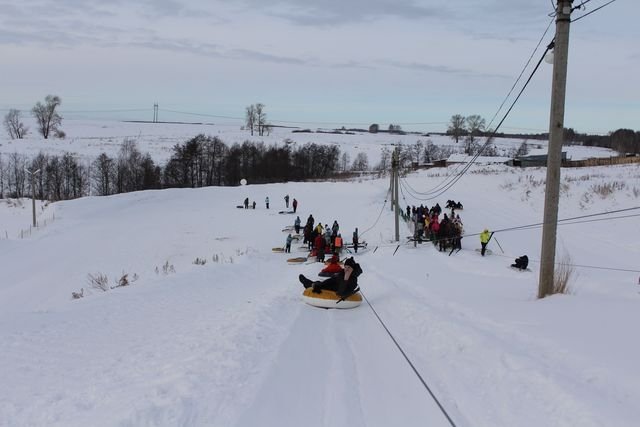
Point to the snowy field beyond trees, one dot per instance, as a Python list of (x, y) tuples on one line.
[(210, 329)]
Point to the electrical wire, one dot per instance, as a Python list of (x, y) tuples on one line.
[(386, 198), (455, 175), (594, 10), (415, 370), (521, 73)]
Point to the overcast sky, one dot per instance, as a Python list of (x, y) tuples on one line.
[(350, 62)]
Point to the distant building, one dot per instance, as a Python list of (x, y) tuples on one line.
[(533, 161)]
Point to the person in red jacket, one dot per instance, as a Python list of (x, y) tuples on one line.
[(318, 245)]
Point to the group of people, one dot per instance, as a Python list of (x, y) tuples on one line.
[(444, 233), (294, 203), (321, 239)]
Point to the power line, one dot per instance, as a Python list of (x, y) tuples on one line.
[(450, 180), (594, 10), (521, 72), (415, 370)]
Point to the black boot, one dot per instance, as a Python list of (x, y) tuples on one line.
[(305, 282), (317, 288)]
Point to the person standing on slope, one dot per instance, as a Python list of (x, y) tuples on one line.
[(485, 236), (286, 201), (296, 224), (266, 201), (287, 248)]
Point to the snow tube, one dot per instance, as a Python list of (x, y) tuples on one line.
[(277, 249), (329, 299), (297, 260)]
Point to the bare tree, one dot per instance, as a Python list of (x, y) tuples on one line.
[(361, 163), (250, 117), (523, 150), (344, 162), (261, 118), (103, 172), (47, 117), (14, 126), (385, 159), (475, 126), (456, 127)]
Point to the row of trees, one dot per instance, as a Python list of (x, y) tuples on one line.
[(46, 115), (201, 161), (204, 161), (66, 177)]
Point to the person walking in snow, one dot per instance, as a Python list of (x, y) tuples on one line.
[(295, 205), (286, 201), (246, 203), (296, 225), (266, 201)]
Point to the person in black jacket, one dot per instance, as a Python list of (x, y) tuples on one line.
[(343, 283), (521, 262)]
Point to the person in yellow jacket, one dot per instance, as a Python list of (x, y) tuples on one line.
[(485, 236)]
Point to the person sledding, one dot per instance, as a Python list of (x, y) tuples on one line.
[(333, 267), (521, 263), (343, 283)]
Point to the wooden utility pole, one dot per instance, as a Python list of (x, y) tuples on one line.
[(395, 186), (554, 156), (33, 193)]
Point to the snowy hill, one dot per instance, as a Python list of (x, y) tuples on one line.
[(230, 343)]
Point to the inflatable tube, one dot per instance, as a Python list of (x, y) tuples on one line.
[(328, 299), (277, 249), (297, 260)]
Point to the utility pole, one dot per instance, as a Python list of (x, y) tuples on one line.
[(395, 200), (33, 194), (393, 171), (155, 113), (554, 156)]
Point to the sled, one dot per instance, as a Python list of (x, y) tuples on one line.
[(240, 207), (286, 212), (520, 270), (277, 249), (297, 260), (329, 299), (288, 229)]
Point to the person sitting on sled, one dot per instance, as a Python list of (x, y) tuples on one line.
[(343, 283)]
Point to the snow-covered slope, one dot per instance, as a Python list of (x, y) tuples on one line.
[(230, 342)]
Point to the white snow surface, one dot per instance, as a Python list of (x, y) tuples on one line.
[(230, 342)]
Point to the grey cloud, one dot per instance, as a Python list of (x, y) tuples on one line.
[(443, 69), (266, 57), (337, 12)]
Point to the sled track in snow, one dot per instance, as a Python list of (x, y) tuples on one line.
[(451, 330)]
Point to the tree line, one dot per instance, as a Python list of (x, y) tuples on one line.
[(200, 161)]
